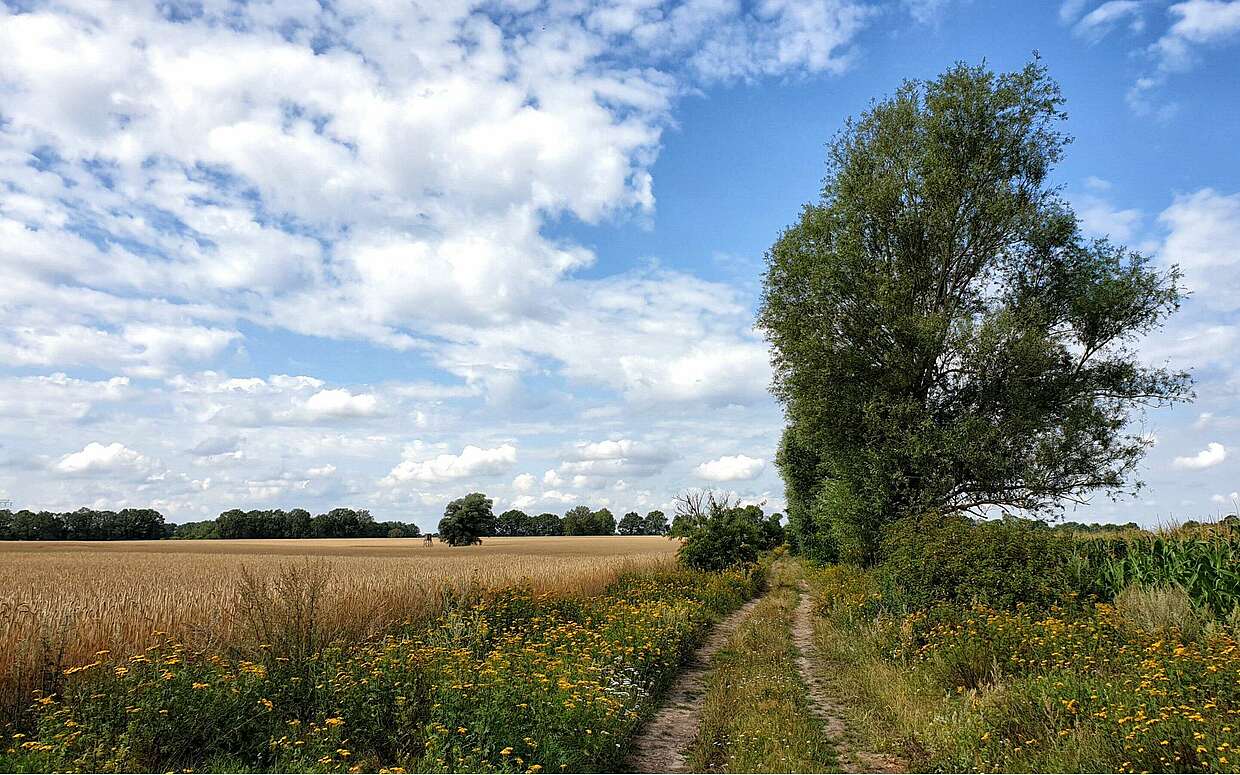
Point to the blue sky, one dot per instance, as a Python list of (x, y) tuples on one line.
[(294, 253)]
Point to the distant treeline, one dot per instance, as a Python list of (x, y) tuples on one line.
[(295, 523), (578, 521), (82, 525), (144, 524)]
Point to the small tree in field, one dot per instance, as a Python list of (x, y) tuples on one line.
[(944, 337), (466, 520)]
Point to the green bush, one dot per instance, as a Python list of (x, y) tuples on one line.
[(950, 559), (721, 540)]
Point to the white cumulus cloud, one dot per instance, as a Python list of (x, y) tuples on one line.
[(101, 458), (472, 461), (1212, 455), (730, 468)]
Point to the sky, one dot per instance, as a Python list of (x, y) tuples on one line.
[(319, 253)]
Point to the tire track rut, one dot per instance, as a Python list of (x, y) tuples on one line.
[(823, 704), (662, 743)]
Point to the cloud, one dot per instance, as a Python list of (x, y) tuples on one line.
[(1212, 455), (319, 472), (97, 458), (1069, 10), (523, 483), (730, 468), (339, 403), (926, 11), (1098, 22), (590, 462), (1204, 240), (300, 168), (186, 198), (217, 445), (59, 396), (1100, 219), (1198, 23), (473, 461), (1232, 498)]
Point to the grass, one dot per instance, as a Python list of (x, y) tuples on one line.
[(503, 680), (64, 601), (1077, 688), (755, 716)]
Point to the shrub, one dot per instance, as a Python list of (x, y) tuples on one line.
[(718, 532), (721, 541), (937, 559)]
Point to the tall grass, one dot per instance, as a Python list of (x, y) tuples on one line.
[(61, 603)]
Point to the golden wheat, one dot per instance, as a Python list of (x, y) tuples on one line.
[(61, 602)]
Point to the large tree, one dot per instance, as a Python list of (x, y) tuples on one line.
[(466, 520), (944, 337)]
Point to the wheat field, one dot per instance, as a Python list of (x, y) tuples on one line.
[(61, 602)]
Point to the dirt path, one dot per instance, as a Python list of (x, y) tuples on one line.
[(662, 743), (823, 704)]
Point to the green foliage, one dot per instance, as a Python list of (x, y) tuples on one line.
[(1000, 563), (965, 688), (82, 525), (944, 337), (718, 533), (514, 522), (655, 523), (466, 520), (297, 523), (634, 524), (631, 524), (581, 521), (207, 528), (547, 524), (1206, 564)]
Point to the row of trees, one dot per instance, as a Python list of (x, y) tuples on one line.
[(82, 525), (469, 519), (148, 524), (297, 523)]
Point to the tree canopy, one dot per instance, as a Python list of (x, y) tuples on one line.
[(581, 521), (466, 520), (943, 336)]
